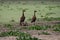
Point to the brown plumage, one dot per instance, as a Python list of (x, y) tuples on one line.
[(22, 17), (34, 17)]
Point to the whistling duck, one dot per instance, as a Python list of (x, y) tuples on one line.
[(22, 18), (34, 17)]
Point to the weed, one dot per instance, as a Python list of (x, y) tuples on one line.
[(45, 33), (36, 27), (28, 38), (8, 26), (56, 27), (21, 35), (12, 33), (12, 20)]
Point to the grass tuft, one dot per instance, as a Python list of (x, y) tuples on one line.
[(36, 27)]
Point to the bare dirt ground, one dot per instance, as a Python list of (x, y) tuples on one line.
[(34, 33), (43, 37), (48, 37), (52, 36), (8, 38)]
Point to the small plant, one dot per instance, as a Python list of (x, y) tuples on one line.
[(27, 38), (8, 26), (21, 35), (57, 18), (42, 16), (45, 33), (13, 33), (36, 27), (56, 27), (12, 20)]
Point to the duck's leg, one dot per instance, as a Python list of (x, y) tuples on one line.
[(21, 24), (34, 23)]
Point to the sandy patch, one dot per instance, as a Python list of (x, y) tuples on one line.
[(8, 38)]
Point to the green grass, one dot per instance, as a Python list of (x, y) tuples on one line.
[(9, 26), (21, 35), (14, 33), (36, 27), (56, 28), (45, 33), (28, 38), (51, 19), (14, 11)]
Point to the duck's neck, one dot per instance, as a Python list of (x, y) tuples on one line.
[(23, 14), (34, 14)]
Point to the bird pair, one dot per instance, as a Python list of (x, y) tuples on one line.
[(22, 19)]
